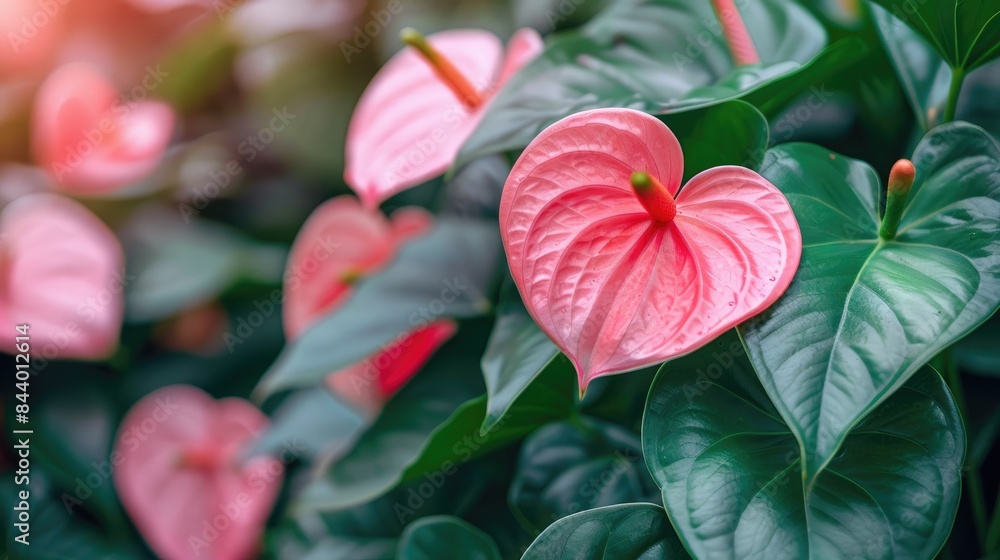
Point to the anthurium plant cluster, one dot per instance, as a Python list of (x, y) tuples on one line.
[(649, 279)]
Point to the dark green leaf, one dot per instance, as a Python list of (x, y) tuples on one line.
[(447, 273), (924, 75), (966, 33), (312, 422), (445, 538), (622, 532), (731, 133), (862, 315), (517, 353), (736, 486), (426, 434), (658, 56), (567, 467)]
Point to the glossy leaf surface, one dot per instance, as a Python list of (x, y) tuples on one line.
[(862, 315), (565, 468), (622, 532), (965, 33), (658, 56), (445, 537), (734, 481)]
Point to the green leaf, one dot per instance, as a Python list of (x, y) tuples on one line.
[(310, 423), (735, 483), (179, 264), (659, 56), (428, 431), (569, 467), (445, 537), (978, 352), (924, 75), (863, 314), (622, 532), (516, 354), (731, 133), (966, 33), (446, 273)]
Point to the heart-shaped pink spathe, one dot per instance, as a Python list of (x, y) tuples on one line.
[(178, 470), (409, 125), (615, 288), (62, 272), (340, 243), (89, 139)]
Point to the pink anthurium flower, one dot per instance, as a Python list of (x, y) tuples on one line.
[(62, 273), (89, 139), (179, 472), (616, 267), (422, 106), (339, 244)]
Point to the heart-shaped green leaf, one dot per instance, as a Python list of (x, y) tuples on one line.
[(444, 537), (734, 480), (659, 56), (447, 273), (516, 354), (569, 467), (427, 432), (622, 532), (863, 314), (966, 33)]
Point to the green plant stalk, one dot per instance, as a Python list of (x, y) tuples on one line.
[(946, 366), (957, 78)]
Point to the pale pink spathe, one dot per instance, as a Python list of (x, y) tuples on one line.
[(63, 274), (615, 289), (179, 474), (89, 139), (340, 244), (409, 126)]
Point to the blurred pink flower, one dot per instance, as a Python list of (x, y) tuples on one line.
[(339, 244), (62, 273), (181, 479), (89, 139), (30, 34), (415, 115)]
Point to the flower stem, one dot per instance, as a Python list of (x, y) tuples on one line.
[(655, 198), (957, 78), (449, 74), (900, 180), (734, 29)]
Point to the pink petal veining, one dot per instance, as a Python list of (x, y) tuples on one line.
[(615, 289)]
